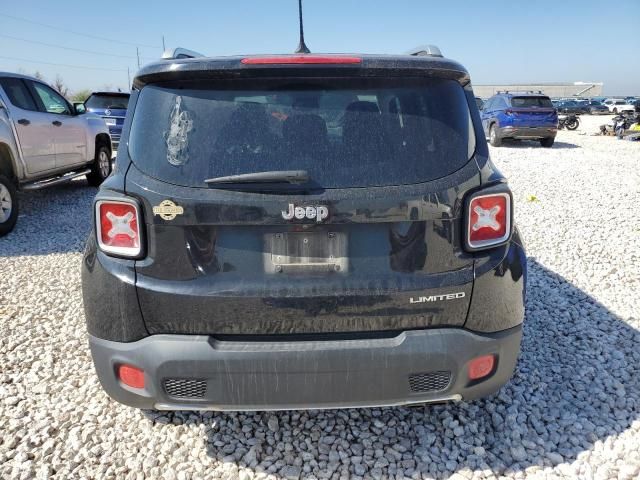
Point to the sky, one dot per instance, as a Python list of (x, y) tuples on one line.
[(497, 41)]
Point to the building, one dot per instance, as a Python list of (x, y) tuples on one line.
[(553, 90)]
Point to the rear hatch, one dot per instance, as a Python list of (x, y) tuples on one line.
[(113, 108), (533, 111), (372, 242)]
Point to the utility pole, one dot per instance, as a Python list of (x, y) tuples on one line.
[(163, 47), (138, 55), (128, 79)]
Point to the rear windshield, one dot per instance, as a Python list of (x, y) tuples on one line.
[(108, 101), (528, 102), (344, 133)]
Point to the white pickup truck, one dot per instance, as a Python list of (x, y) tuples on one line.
[(45, 141)]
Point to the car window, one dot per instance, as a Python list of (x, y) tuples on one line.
[(347, 133), (53, 102), (530, 101), (18, 93), (115, 102)]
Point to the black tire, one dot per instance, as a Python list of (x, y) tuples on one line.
[(8, 205), (494, 138), (547, 142), (101, 166), (573, 124), (614, 111)]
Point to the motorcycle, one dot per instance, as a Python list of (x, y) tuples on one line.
[(619, 124), (569, 121)]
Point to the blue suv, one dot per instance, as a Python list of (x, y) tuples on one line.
[(112, 106), (520, 115)]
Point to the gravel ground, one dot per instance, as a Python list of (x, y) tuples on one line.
[(571, 410)]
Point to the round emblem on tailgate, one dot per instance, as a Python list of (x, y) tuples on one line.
[(167, 210), (107, 112)]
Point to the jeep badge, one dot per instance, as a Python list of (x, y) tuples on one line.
[(319, 213)]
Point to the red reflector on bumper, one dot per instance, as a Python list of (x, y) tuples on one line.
[(301, 59), (131, 376), (480, 367)]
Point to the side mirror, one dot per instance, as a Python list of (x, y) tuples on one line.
[(79, 108)]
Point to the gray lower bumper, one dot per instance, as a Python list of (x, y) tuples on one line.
[(284, 375), (527, 132)]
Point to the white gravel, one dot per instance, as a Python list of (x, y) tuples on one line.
[(572, 409)]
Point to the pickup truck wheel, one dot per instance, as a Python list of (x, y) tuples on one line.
[(8, 205), (101, 167), (494, 139)]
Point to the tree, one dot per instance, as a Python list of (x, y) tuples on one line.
[(59, 85), (38, 75), (80, 95)]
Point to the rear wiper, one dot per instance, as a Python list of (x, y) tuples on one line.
[(276, 176)]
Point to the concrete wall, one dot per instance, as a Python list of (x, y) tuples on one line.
[(550, 89)]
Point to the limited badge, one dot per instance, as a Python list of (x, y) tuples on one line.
[(168, 210)]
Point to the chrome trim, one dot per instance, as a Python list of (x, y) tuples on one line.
[(456, 397), (55, 181), (119, 251), (495, 241)]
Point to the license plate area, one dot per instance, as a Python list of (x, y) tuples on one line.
[(110, 121), (306, 252)]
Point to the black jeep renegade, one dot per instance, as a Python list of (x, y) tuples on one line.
[(303, 231)]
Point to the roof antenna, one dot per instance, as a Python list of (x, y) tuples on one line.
[(302, 47)]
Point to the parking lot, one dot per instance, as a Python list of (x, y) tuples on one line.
[(571, 410)]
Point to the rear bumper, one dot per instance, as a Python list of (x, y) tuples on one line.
[(412, 367), (527, 132)]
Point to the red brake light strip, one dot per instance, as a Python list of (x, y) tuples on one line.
[(301, 59)]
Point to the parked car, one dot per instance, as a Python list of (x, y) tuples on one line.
[(524, 115), (112, 106), (44, 141), (618, 105), (259, 248), (596, 108), (571, 106)]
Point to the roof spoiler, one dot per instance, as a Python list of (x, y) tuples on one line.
[(425, 51), (177, 53)]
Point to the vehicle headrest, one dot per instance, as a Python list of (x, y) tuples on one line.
[(308, 128), (363, 106)]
